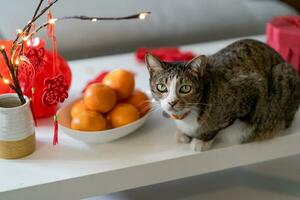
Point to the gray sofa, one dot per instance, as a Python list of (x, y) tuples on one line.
[(173, 22)]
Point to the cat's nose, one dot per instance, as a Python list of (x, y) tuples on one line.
[(172, 103)]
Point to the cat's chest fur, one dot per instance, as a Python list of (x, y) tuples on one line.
[(189, 125)]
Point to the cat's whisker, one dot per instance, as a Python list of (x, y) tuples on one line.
[(142, 103), (198, 104), (203, 104), (155, 105), (149, 109), (152, 108)]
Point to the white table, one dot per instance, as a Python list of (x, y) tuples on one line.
[(73, 170)]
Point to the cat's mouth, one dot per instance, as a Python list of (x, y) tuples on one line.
[(176, 116)]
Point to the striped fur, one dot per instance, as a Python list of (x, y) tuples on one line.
[(246, 81)]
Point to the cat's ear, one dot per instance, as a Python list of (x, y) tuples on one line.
[(198, 64), (153, 63)]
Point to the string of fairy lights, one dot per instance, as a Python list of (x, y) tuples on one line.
[(29, 30), (52, 21)]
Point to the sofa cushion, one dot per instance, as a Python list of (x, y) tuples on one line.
[(173, 22)]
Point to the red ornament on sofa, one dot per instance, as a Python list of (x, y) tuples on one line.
[(167, 54), (98, 79)]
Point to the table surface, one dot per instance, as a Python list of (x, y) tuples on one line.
[(73, 170)]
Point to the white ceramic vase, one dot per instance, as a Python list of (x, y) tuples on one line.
[(17, 136)]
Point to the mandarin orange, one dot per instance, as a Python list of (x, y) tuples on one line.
[(122, 114), (139, 100), (77, 108), (100, 97), (89, 121), (122, 81)]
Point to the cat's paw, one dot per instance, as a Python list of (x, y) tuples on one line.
[(199, 145), (182, 138)]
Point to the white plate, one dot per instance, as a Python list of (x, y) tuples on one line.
[(64, 124)]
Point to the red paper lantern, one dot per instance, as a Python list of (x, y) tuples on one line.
[(3, 69), (35, 74)]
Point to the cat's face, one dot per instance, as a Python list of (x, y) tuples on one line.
[(178, 87)]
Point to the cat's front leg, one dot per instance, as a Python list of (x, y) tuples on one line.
[(182, 138), (200, 145)]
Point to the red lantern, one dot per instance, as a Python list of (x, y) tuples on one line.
[(34, 74)]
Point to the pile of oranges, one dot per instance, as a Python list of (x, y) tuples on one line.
[(110, 104)]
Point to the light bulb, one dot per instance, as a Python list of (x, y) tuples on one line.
[(25, 38), (6, 81), (143, 15), (17, 62), (33, 42), (52, 20)]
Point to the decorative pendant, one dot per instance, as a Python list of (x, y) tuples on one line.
[(32, 63), (36, 58), (56, 90), (26, 75)]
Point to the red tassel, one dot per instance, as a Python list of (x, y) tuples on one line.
[(51, 34), (31, 106), (55, 136)]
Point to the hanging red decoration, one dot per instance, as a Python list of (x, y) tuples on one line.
[(36, 58), (26, 76), (48, 71), (61, 68), (35, 62), (56, 91), (55, 135), (167, 54)]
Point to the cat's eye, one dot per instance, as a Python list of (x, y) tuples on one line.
[(161, 87), (185, 89)]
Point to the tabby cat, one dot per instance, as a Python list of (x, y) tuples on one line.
[(246, 81)]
